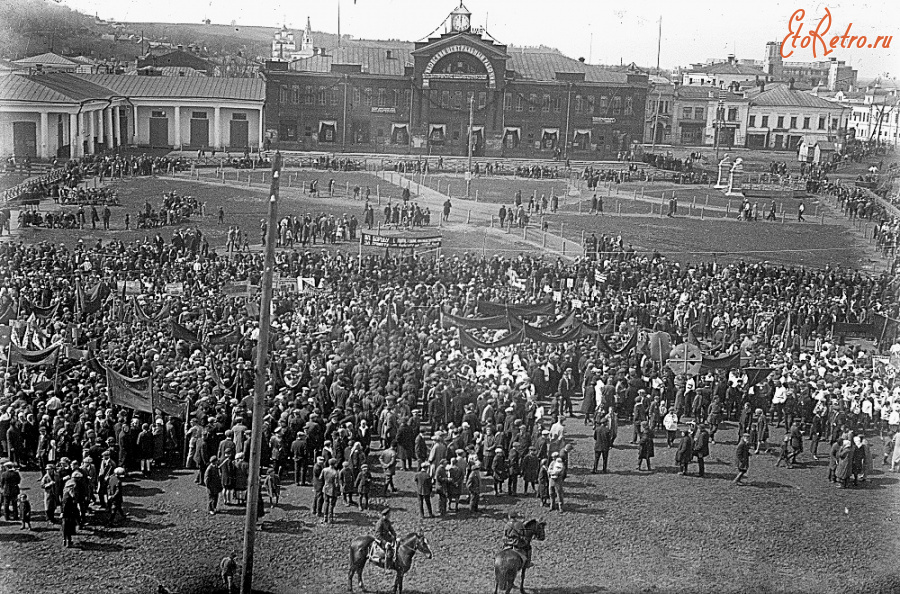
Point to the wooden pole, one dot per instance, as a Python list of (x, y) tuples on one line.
[(259, 398)]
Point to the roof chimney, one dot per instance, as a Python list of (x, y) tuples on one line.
[(731, 58), (581, 60), (791, 85)]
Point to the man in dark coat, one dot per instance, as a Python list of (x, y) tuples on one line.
[(742, 458), (299, 452), (685, 452), (424, 486), (602, 435), (701, 447)]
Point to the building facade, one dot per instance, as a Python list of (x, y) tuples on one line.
[(417, 98), (658, 118), (725, 75), (69, 115), (704, 116), (781, 118)]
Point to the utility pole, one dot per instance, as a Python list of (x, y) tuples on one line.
[(259, 398), (471, 135), (568, 116), (344, 122), (658, 45)]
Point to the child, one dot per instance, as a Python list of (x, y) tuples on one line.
[(364, 486), (345, 476), (785, 455), (273, 487), (25, 511), (543, 490)]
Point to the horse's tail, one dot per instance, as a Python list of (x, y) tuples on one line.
[(505, 569)]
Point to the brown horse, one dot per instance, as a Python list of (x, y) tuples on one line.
[(405, 551), (507, 563)]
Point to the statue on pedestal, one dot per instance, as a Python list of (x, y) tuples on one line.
[(724, 168), (736, 179)]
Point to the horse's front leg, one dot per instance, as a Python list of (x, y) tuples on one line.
[(522, 583)]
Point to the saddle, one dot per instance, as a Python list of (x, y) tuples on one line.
[(378, 556), (523, 554)]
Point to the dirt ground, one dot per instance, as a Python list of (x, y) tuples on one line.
[(628, 531)]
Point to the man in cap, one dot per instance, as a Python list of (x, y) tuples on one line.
[(386, 537), (116, 494)]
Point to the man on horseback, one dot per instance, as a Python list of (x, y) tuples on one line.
[(386, 537), (515, 538)]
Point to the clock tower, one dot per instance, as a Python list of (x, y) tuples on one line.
[(460, 19)]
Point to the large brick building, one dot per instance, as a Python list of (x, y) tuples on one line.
[(416, 97)]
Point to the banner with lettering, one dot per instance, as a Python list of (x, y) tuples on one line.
[(133, 393)]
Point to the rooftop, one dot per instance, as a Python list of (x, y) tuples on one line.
[(783, 96), (731, 68), (47, 58)]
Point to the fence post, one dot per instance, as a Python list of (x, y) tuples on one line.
[(618, 208), (634, 195), (728, 209), (449, 195), (822, 219), (525, 232), (560, 229), (469, 216), (346, 188), (707, 200), (564, 247), (543, 239), (249, 178), (476, 195), (782, 216), (702, 212)]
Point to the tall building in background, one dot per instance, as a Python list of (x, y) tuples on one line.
[(404, 97)]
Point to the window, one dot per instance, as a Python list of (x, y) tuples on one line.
[(157, 114), (283, 94), (629, 106), (557, 103), (545, 104), (589, 106), (406, 96), (395, 98), (336, 95), (752, 123), (617, 105), (577, 103), (834, 123), (686, 113), (367, 97), (765, 121), (357, 92), (665, 107), (507, 101), (604, 104), (780, 122), (732, 114), (198, 115), (520, 101), (287, 131), (308, 96), (322, 95), (698, 113), (470, 99), (821, 122), (806, 123), (793, 121), (295, 94), (445, 99), (308, 131), (482, 100), (382, 97), (238, 116), (456, 101)]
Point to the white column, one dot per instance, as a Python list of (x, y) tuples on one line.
[(259, 147), (134, 126), (44, 148), (101, 121), (217, 130), (177, 127), (109, 127), (74, 141), (117, 125)]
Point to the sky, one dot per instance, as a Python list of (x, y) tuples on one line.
[(602, 32)]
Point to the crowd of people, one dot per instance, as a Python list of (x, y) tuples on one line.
[(367, 361)]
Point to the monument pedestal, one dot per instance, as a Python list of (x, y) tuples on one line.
[(724, 169)]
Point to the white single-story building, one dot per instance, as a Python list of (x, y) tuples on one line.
[(62, 115)]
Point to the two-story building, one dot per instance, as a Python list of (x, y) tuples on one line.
[(780, 117), (658, 119), (419, 97)]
